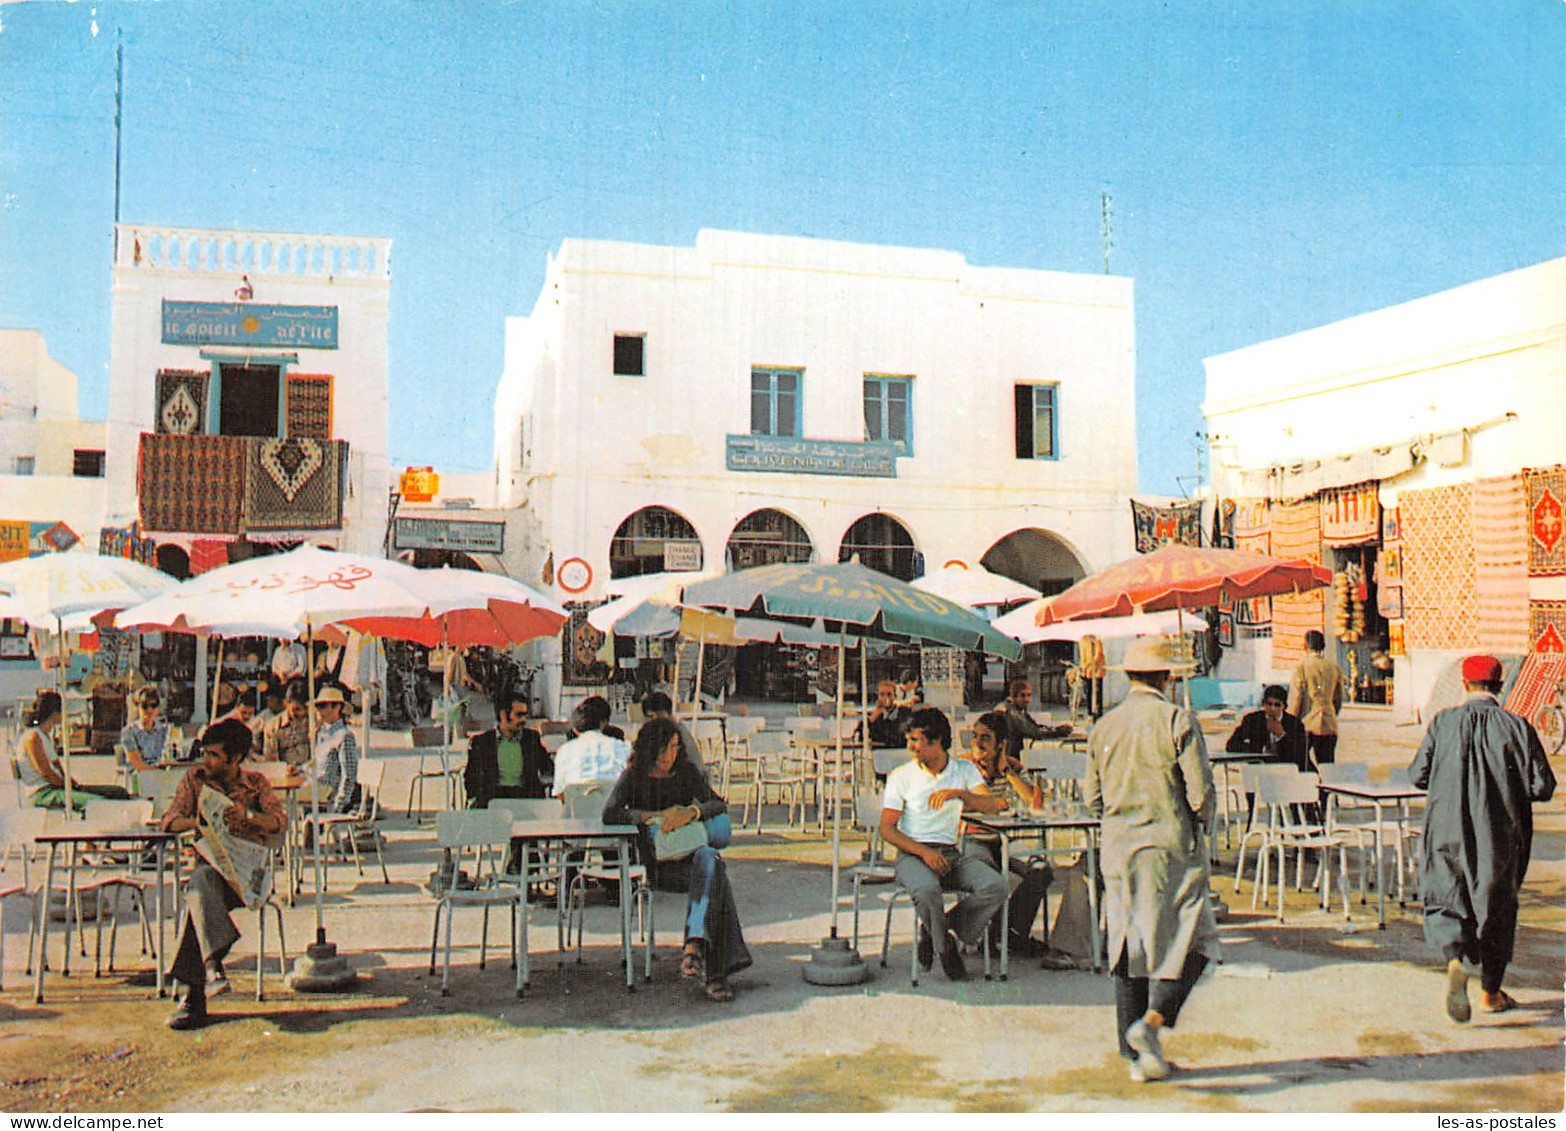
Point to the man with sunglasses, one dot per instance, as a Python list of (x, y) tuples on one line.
[(508, 761)]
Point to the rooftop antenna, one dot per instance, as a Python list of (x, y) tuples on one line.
[(1105, 202), (119, 78)]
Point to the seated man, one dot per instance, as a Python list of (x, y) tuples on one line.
[(1022, 725), (508, 761), (886, 719), (919, 819), (287, 737), (1004, 776), (593, 755), (256, 813), (657, 705), (145, 738), (1272, 731)]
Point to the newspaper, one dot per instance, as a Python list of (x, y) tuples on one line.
[(246, 865)]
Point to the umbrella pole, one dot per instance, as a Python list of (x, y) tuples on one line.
[(835, 962), (320, 969), (701, 662), (217, 680), (676, 639)]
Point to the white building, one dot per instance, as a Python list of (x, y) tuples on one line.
[(1426, 413), (51, 461), (757, 398), (248, 388)]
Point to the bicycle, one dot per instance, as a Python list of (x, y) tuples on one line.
[(1550, 720)]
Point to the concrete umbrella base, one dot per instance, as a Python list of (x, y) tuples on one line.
[(321, 970), (835, 963)]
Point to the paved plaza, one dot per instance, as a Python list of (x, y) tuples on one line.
[(1309, 1015)]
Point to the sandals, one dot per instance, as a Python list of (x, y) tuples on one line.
[(719, 991), (691, 961), (1499, 1002)]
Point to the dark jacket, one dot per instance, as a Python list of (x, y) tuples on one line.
[(482, 776), (1250, 737)]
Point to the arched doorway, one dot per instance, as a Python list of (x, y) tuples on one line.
[(1035, 557), (437, 559), (883, 544), (652, 540), (767, 537)]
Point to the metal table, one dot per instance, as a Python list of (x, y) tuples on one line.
[(1009, 825), (1379, 794), (101, 840)]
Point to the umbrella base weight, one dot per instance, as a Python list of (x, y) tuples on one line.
[(321, 970), (835, 963)]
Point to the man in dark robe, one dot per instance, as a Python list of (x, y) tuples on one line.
[(1483, 766)]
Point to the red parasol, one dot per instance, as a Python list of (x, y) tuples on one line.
[(1181, 577)]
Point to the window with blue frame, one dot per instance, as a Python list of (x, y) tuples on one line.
[(889, 410), (1037, 415), (774, 401)]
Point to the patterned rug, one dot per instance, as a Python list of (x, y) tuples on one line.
[(1535, 684), (1252, 526), (310, 406), (1547, 626), (1296, 533), (192, 484), (1351, 516), (294, 483), (1440, 597), (1546, 520), (182, 402), (1501, 564), (1159, 526)]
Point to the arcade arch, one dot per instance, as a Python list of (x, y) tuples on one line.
[(652, 540), (1035, 557), (767, 537), (884, 544)]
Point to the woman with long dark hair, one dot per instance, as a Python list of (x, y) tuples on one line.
[(41, 770), (661, 787)]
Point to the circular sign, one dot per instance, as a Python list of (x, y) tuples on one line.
[(955, 562), (574, 575)]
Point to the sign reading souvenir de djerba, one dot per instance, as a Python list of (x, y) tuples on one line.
[(248, 324), (450, 534), (812, 457)]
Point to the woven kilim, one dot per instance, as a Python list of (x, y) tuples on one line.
[(1252, 526), (1547, 626), (1296, 533), (1440, 599), (1501, 564), (1159, 526), (182, 402), (1536, 683), (1546, 518), (1351, 516), (310, 406), (192, 484), (294, 484)]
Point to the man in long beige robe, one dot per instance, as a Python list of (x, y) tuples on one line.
[(1149, 778)]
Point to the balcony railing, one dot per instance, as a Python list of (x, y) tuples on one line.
[(193, 484), (261, 254)]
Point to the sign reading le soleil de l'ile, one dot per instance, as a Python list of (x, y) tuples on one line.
[(248, 324)]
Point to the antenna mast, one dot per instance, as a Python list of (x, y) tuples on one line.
[(1105, 201), (119, 77)]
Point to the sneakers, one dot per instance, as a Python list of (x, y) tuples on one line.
[(926, 948), (1143, 1039), (952, 964), (217, 981), (1457, 1007), (191, 1013), (1138, 1076)]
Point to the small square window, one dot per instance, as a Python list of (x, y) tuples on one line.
[(630, 355), (22, 465), (87, 464)]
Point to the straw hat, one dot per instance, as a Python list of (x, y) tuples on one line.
[(331, 695), (1152, 654)]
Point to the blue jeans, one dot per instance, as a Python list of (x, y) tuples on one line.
[(710, 914)]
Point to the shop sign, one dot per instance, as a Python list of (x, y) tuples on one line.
[(14, 539), (812, 457), (466, 535), (248, 324), (418, 484), (681, 556)]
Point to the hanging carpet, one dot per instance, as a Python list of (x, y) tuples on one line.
[(309, 411), (1159, 526), (1440, 597), (1546, 520), (182, 402), (1296, 533), (1547, 626), (1535, 684), (294, 484), (1500, 533), (193, 484)]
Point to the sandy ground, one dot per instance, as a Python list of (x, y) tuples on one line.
[(1309, 1015)]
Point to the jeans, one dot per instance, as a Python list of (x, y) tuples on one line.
[(985, 888), (710, 914)]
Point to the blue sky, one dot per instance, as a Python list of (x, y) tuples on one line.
[(1273, 166)]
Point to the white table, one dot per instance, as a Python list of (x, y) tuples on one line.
[(1379, 794)]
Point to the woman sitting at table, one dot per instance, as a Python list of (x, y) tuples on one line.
[(1272, 732), (41, 770), (659, 786)]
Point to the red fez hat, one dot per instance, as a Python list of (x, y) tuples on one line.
[(1482, 669)]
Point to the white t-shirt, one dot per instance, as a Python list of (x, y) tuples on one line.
[(594, 756), (908, 790)]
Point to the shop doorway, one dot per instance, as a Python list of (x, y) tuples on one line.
[(654, 540), (882, 543)]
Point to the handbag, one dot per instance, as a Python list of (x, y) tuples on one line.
[(686, 839)]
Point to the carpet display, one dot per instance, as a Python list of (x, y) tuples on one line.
[(182, 402), (1296, 533), (1160, 526), (1546, 520), (1351, 516), (1440, 597), (193, 484), (1252, 526), (1536, 683), (1500, 532), (294, 483), (309, 411), (1547, 626)]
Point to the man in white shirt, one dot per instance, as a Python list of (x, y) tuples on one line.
[(919, 818), (592, 755)]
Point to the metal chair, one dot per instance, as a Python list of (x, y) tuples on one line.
[(585, 801), (344, 830), (483, 830), (112, 882), (1255, 826), (778, 767), (1285, 796), (18, 828), (422, 775)]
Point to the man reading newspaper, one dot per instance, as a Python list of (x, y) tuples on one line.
[(238, 816)]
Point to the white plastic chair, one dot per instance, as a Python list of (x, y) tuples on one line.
[(1286, 797), (341, 832), (18, 828), (1256, 823), (484, 830), (776, 766)]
